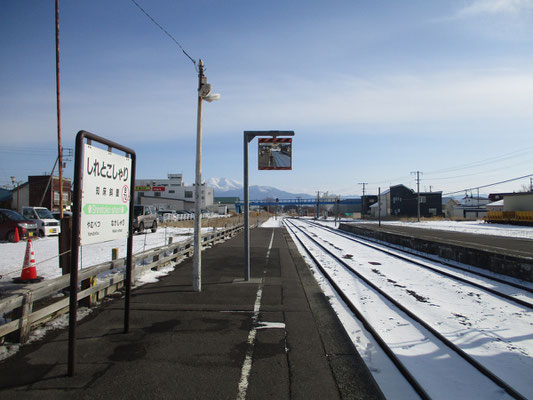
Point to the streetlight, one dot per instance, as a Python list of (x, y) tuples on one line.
[(204, 93)]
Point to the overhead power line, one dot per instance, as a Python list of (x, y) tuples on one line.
[(490, 184), (488, 161), (167, 33)]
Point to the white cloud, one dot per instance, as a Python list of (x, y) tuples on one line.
[(481, 7), (483, 101), (345, 104)]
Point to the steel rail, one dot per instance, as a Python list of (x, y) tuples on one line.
[(432, 258), (392, 356), (482, 369), (449, 275)]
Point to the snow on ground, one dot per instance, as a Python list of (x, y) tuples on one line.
[(272, 222), (479, 227), (47, 260), (492, 330)]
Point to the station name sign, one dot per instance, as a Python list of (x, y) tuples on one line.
[(106, 183)]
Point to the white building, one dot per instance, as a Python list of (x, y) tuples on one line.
[(171, 193), (522, 201), (379, 208), (471, 201), (469, 208), (495, 206)]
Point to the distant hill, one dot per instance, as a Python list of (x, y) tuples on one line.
[(232, 188)]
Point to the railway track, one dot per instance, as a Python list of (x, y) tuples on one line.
[(435, 348), (505, 288)]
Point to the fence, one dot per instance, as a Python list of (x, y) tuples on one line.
[(36, 304)]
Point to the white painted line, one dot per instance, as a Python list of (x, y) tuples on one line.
[(247, 364), (271, 325), (270, 245)]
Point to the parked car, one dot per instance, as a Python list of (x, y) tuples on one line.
[(65, 214), (10, 221), (144, 217), (167, 216), (47, 225)]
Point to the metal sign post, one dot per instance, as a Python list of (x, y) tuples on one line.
[(103, 210), (248, 137)]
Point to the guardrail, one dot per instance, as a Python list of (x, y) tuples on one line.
[(34, 304)]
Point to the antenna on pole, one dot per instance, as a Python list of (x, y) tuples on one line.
[(363, 208), (417, 173)]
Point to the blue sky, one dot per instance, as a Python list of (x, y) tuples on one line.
[(373, 89)]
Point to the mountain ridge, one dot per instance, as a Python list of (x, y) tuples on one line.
[(224, 187)]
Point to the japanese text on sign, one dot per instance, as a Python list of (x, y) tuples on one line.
[(106, 184)]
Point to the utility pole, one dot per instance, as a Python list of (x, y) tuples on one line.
[(363, 200), (18, 184), (379, 206), (417, 191), (337, 216), (317, 204), (204, 93), (59, 148), (197, 262)]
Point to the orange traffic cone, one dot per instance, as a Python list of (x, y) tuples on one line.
[(29, 270), (16, 238)]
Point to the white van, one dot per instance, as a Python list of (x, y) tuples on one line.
[(47, 225)]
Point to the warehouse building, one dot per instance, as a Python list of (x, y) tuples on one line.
[(171, 194)]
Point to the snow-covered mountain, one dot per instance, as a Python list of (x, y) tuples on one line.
[(232, 188), (224, 184)]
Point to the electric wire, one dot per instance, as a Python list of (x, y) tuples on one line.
[(490, 160), (475, 164), (488, 185), (22, 150), (167, 33)]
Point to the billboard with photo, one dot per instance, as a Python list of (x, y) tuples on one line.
[(274, 153)]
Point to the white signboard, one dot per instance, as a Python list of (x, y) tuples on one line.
[(106, 183)]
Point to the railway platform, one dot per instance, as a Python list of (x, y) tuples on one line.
[(275, 336), (505, 245)]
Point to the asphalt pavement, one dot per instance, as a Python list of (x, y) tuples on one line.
[(208, 345)]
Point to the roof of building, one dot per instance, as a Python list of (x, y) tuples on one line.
[(518, 194), (5, 194), (446, 200)]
